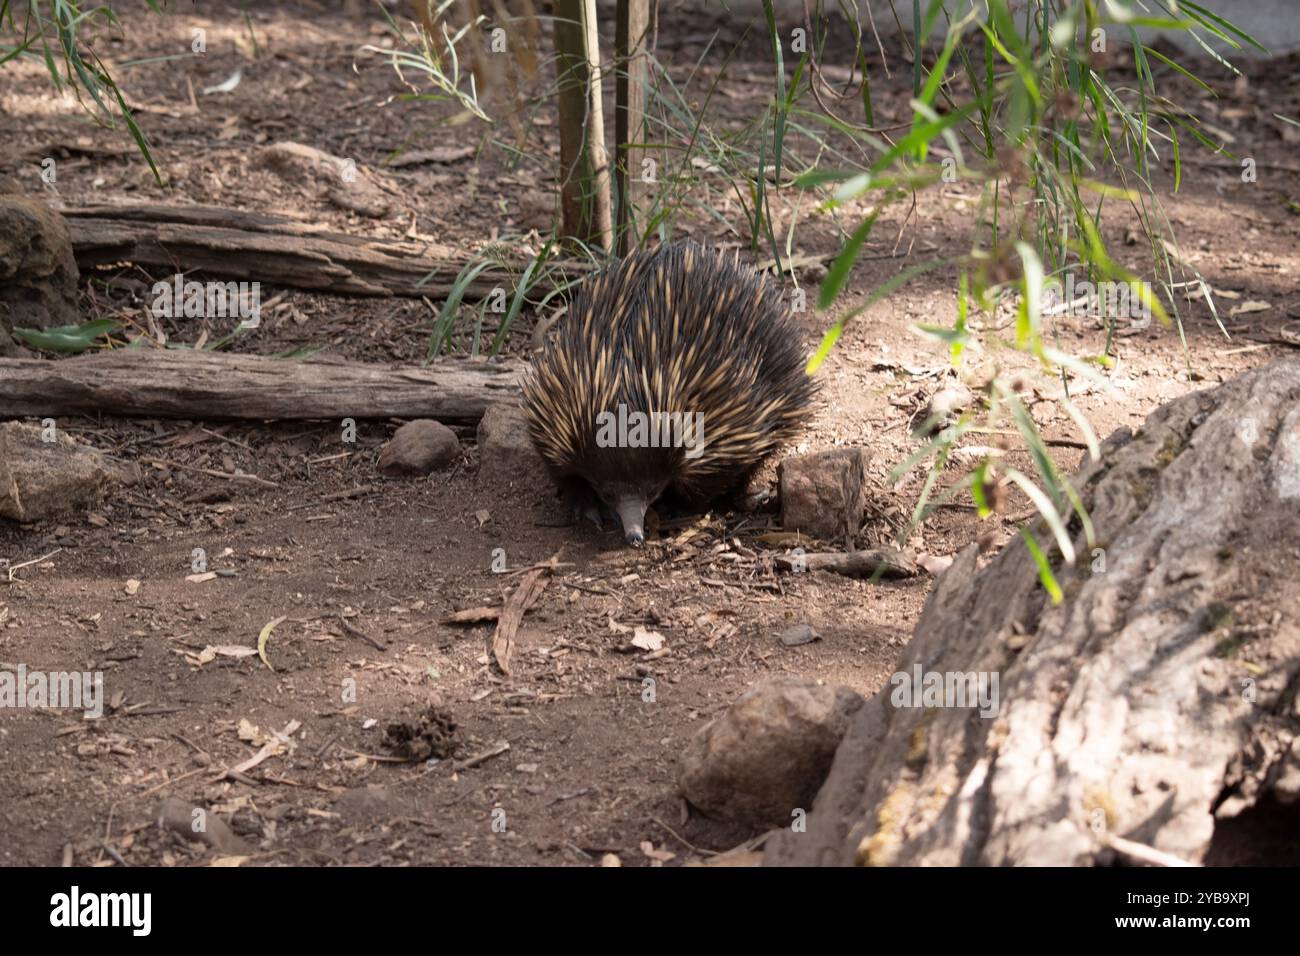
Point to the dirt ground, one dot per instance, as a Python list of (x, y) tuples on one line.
[(590, 766)]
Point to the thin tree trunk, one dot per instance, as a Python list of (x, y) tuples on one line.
[(584, 165), (629, 114)]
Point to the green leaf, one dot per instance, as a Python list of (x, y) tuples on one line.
[(820, 177), (836, 330), (1044, 506), (1045, 574), (838, 273), (447, 317), (67, 338)]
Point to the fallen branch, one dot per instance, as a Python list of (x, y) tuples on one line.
[(512, 613), (275, 250), (183, 383)]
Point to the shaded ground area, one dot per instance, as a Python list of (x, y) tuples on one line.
[(589, 767)]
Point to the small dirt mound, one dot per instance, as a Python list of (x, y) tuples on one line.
[(431, 735)]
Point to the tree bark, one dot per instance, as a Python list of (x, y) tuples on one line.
[(1154, 708), (182, 383)]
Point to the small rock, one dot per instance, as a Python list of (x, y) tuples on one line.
[(344, 182), (769, 753), (419, 447), (799, 634), (506, 452), (943, 407), (40, 479), (823, 494), (132, 586), (200, 825), (936, 564)]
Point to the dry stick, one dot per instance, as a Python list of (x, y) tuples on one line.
[(512, 615), (382, 758), (870, 563), (378, 645), (15, 567), (681, 839), (584, 166), (584, 588), (550, 564), (1142, 853), (233, 441), (334, 496), (496, 750), (1205, 162), (212, 471), (270, 749), (167, 783)]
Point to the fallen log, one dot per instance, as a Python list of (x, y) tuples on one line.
[(1149, 716), (182, 383), (275, 250)]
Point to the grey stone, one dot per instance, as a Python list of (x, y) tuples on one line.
[(506, 452), (823, 494), (769, 753), (419, 447), (38, 274), (40, 479)]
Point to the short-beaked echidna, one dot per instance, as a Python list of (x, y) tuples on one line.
[(677, 368)]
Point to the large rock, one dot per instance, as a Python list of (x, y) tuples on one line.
[(418, 448), (40, 479), (823, 494), (769, 753), (38, 275), (506, 453)]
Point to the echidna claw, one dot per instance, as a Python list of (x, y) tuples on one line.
[(585, 504), (589, 513)]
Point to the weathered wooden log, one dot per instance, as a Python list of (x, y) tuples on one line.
[(182, 383), (1148, 709), (275, 250)]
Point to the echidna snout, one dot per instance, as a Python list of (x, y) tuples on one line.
[(628, 501), (631, 511)]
